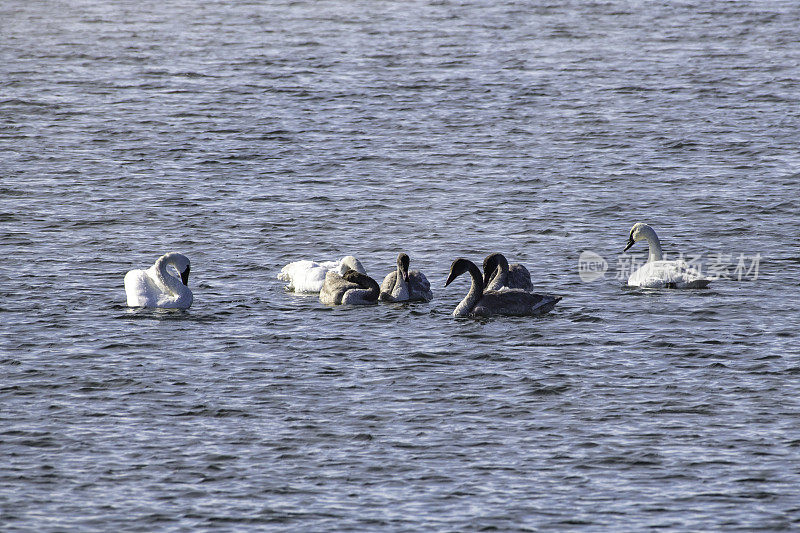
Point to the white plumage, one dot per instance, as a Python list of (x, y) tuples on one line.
[(309, 276), (158, 287), (658, 273)]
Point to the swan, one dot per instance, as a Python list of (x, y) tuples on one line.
[(353, 288), (657, 273), (157, 287), (404, 285), (514, 276), (478, 302), (309, 276)]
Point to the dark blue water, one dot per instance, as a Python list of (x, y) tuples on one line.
[(251, 134)]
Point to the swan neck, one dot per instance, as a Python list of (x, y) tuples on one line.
[(473, 296), (168, 282), (400, 280), (655, 253), (501, 278)]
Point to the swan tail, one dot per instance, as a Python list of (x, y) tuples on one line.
[(696, 284), (546, 304)]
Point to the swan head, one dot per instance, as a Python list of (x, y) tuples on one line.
[(362, 280), (490, 264), (349, 262), (181, 263), (351, 275), (403, 263), (458, 267), (638, 232), (185, 275)]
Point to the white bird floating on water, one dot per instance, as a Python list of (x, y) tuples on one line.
[(497, 273), (309, 276), (157, 287), (403, 284), (354, 288), (658, 273), (515, 302)]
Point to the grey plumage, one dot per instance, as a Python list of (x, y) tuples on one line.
[(403, 284), (352, 288), (513, 302), (497, 273)]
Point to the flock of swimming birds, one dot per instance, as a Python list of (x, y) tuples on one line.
[(501, 289)]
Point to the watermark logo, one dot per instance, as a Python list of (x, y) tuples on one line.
[(715, 266), (591, 266)]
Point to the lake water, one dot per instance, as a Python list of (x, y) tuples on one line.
[(250, 134)]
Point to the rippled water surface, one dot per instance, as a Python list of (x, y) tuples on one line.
[(250, 134)]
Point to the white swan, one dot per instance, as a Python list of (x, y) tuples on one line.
[(657, 273), (497, 273), (309, 276), (157, 287), (515, 302), (354, 288), (403, 285)]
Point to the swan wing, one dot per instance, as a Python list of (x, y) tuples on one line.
[(519, 277), (171, 301), (140, 289), (419, 287), (309, 276), (358, 296), (305, 276), (514, 302), (292, 269), (388, 285), (334, 288), (668, 274)]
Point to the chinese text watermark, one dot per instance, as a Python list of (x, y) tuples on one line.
[(714, 266)]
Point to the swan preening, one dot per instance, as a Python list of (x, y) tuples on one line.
[(309, 276), (480, 302), (497, 273), (352, 288), (657, 273), (402, 284), (158, 287)]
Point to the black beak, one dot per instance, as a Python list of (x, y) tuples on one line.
[(450, 278), (185, 276), (631, 242)]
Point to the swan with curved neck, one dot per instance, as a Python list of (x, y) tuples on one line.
[(353, 288), (497, 273), (641, 231), (658, 273), (404, 285), (478, 302), (157, 287), (309, 276)]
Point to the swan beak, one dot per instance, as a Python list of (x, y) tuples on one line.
[(185, 276), (450, 278), (631, 242)]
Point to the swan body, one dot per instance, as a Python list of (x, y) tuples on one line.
[(658, 273), (157, 287), (497, 273), (403, 285), (352, 288), (514, 302), (309, 276)]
